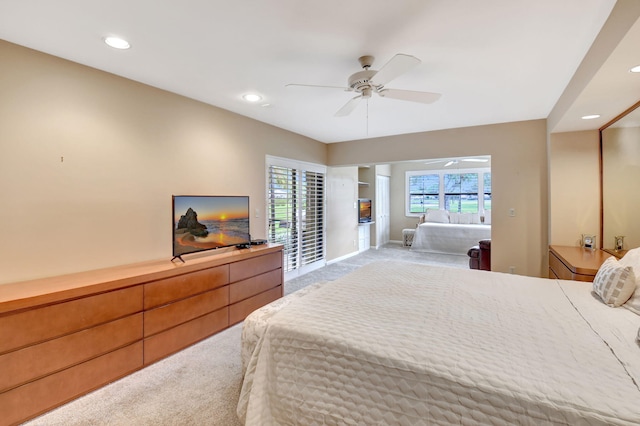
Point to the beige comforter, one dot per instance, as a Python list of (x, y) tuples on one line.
[(407, 344)]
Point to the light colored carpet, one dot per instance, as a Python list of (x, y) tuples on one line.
[(201, 384)]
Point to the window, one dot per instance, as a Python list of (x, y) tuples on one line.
[(487, 191), (424, 192), (461, 191)]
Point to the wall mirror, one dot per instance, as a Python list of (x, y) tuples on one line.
[(620, 167)]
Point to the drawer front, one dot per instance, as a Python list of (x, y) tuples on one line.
[(250, 287), (562, 272), (167, 316), (255, 266), (240, 310), (35, 361), (39, 324), (177, 338), (161, 292), (34, 398), (560, 269)]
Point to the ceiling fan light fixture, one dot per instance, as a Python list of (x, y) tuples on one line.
[(117, 42)]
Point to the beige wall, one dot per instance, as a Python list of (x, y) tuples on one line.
[(519, 180), (342, 213), (90, 160), (574, 187)]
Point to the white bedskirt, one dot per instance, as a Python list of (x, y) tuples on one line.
[(449, 238)]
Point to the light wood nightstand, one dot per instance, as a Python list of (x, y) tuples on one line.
[(575, 263)]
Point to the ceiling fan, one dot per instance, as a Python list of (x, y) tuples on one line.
[(370, 81), (451, 162)]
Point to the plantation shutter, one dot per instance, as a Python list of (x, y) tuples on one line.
[(296, 194), (312, 247)]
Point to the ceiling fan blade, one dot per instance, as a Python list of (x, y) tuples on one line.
[(346, 89), (348, 107), (396, 66), (410, 95)]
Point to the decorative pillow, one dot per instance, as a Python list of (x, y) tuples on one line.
[(614, 283), (454, 217), (632, 259), (438, 216)]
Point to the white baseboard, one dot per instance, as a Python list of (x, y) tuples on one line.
[(346, 256)]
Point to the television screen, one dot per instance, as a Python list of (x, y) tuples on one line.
[(364, 210), (209, 222)]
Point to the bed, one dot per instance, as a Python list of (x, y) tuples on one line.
[(408, 344), (448, 238)]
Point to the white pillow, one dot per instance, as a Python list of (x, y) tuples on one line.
[(437, 216), (487, 217), (632, 259), (464, 218), (614, 283), (454, 217)]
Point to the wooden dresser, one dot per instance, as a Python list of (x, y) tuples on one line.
[(575, 263), (62, 337)]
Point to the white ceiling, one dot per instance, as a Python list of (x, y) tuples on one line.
[(493, 60)]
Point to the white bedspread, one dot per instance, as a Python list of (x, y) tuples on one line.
[(396, 343), (448, 237)]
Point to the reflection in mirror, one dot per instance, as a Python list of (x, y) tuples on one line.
[(621, 182)]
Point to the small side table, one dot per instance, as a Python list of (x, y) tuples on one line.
[(575, 263), (407, 237)]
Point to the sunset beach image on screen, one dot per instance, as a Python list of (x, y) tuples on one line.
[(207, 222)]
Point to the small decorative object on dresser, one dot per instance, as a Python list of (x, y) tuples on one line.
[(619, 243), (589, 241)]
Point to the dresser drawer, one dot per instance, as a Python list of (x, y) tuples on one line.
[(239, 311), (254, 266), (161, 292), (35, 361), (167, 342), (36, 397), (36, 325), (250, 287), (167, 316)]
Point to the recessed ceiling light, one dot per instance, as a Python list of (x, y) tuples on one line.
[(590, 117), (251, 97), (635, 69), (117, 42)]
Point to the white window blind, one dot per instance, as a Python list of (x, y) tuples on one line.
[(296, 198)]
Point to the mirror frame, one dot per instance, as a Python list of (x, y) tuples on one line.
[(601, 163)]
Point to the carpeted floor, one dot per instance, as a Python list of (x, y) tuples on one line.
[(200, 385)]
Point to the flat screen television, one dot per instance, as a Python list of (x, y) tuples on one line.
[(207, 222), (364, 210)]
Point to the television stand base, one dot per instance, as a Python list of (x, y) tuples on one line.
[(178, 257)]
